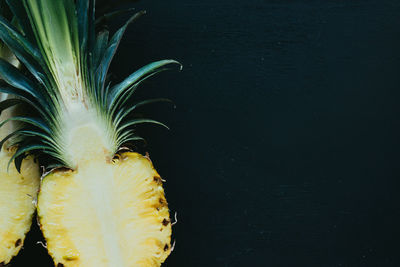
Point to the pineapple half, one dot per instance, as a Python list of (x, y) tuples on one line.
[(18, 190), (97, 206), (122, 221)]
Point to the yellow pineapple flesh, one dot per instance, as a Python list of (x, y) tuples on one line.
[(18, 192), (106, 214)]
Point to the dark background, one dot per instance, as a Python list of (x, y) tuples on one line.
[(284, 146)]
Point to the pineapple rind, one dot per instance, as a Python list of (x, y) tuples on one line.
[(18, 193), (121, 220)]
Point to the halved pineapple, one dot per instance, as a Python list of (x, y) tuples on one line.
[(121, 221), (18, 192)]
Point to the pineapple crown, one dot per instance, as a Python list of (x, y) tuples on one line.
[(66, 61)]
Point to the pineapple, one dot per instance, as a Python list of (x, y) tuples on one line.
[(18, 191), (99, 204)]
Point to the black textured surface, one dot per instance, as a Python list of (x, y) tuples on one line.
[(284, 148)]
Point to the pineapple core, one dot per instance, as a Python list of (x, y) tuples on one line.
[(85, 137)]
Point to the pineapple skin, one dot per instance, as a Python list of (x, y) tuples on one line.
[(106, 214), (18, 193)]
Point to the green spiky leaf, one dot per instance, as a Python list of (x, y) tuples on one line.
[(9, 103), (138, 76), (111, 50)]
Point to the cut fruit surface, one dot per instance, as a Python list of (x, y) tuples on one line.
[(106, 214), (18, 192)]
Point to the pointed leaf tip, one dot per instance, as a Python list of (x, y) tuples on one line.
[(18, 162)]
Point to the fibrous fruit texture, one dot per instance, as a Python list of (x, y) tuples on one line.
[(18, 193), (122, 221)]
